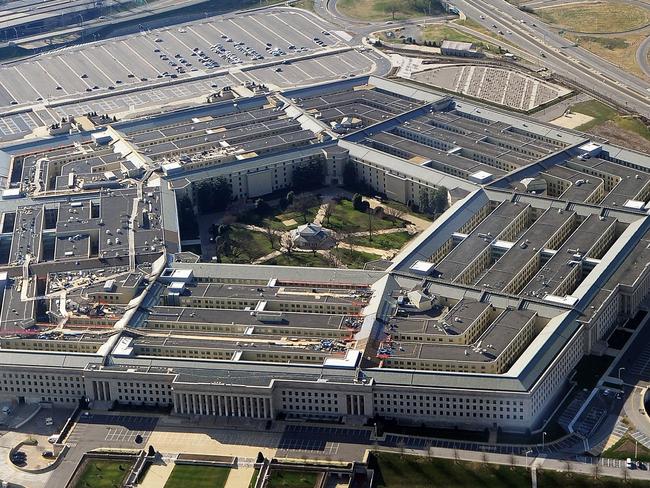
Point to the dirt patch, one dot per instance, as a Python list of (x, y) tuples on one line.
[(621, 137), (572, 120)]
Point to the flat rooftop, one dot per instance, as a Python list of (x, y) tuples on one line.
[(479, 239)]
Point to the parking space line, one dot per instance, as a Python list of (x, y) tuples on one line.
[(28, 82), (293, 28), (155, 70), (73, 71)]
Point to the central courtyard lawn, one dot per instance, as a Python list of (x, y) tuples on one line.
[(346, 219), (189, 476), (306, 259), (354, 259), (395, 240), (250, 246), (104, 473)]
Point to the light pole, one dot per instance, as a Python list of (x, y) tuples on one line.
[(526, 453), (543, 439), (619, 373)]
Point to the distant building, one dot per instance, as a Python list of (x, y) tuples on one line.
[(459, 49)]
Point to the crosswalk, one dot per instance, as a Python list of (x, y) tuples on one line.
[(641, 438)]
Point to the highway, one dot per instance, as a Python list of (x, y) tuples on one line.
[(560, 56), (574, 63)]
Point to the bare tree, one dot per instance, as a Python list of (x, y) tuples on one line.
[(393, 212), (568, 466), (303, 203), (271, 236), (513, 460), (456, 455), (484, 457), (596, 469), (329, 210), (371, 222), (288, 244)]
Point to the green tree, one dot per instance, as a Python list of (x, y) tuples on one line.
[(425, 202), (440, 199), (349, 174), (309, 176), (357, 201), (213, 195), (188, 225)]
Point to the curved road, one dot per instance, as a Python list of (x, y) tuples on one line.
[(642, 56)]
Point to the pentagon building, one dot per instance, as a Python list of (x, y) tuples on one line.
[(477, 323)]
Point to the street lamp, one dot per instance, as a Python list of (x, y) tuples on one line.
[(619, 373), (526, 453), (543, 439)]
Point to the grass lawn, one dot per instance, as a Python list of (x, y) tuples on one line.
[(603, 113), (439, 33), (373, 10), (275, 218), (597, 17), (346, 219), (396, 240), (306, 4), (300, 259), (102, 473), (252, 245), (552, 479), (472, 24), (404, 208), (354, 259), (624, 449), (619, 50), (292, 479), (394, 471), (186, 476), (254, 478)]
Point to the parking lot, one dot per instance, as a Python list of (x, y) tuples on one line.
[(177, 52), (121, 429), (280, 48)]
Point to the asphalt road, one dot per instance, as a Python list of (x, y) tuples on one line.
[(560, 56), (576, 64), (642, 56)]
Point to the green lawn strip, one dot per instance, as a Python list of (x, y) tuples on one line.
[(602, 113), (300, 259), (252, 245), (394, 240), (439, 33), (395, 471), (354, 259), (553, 479), (103, 473), (292, 479), (254, 478), (186, 476)]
